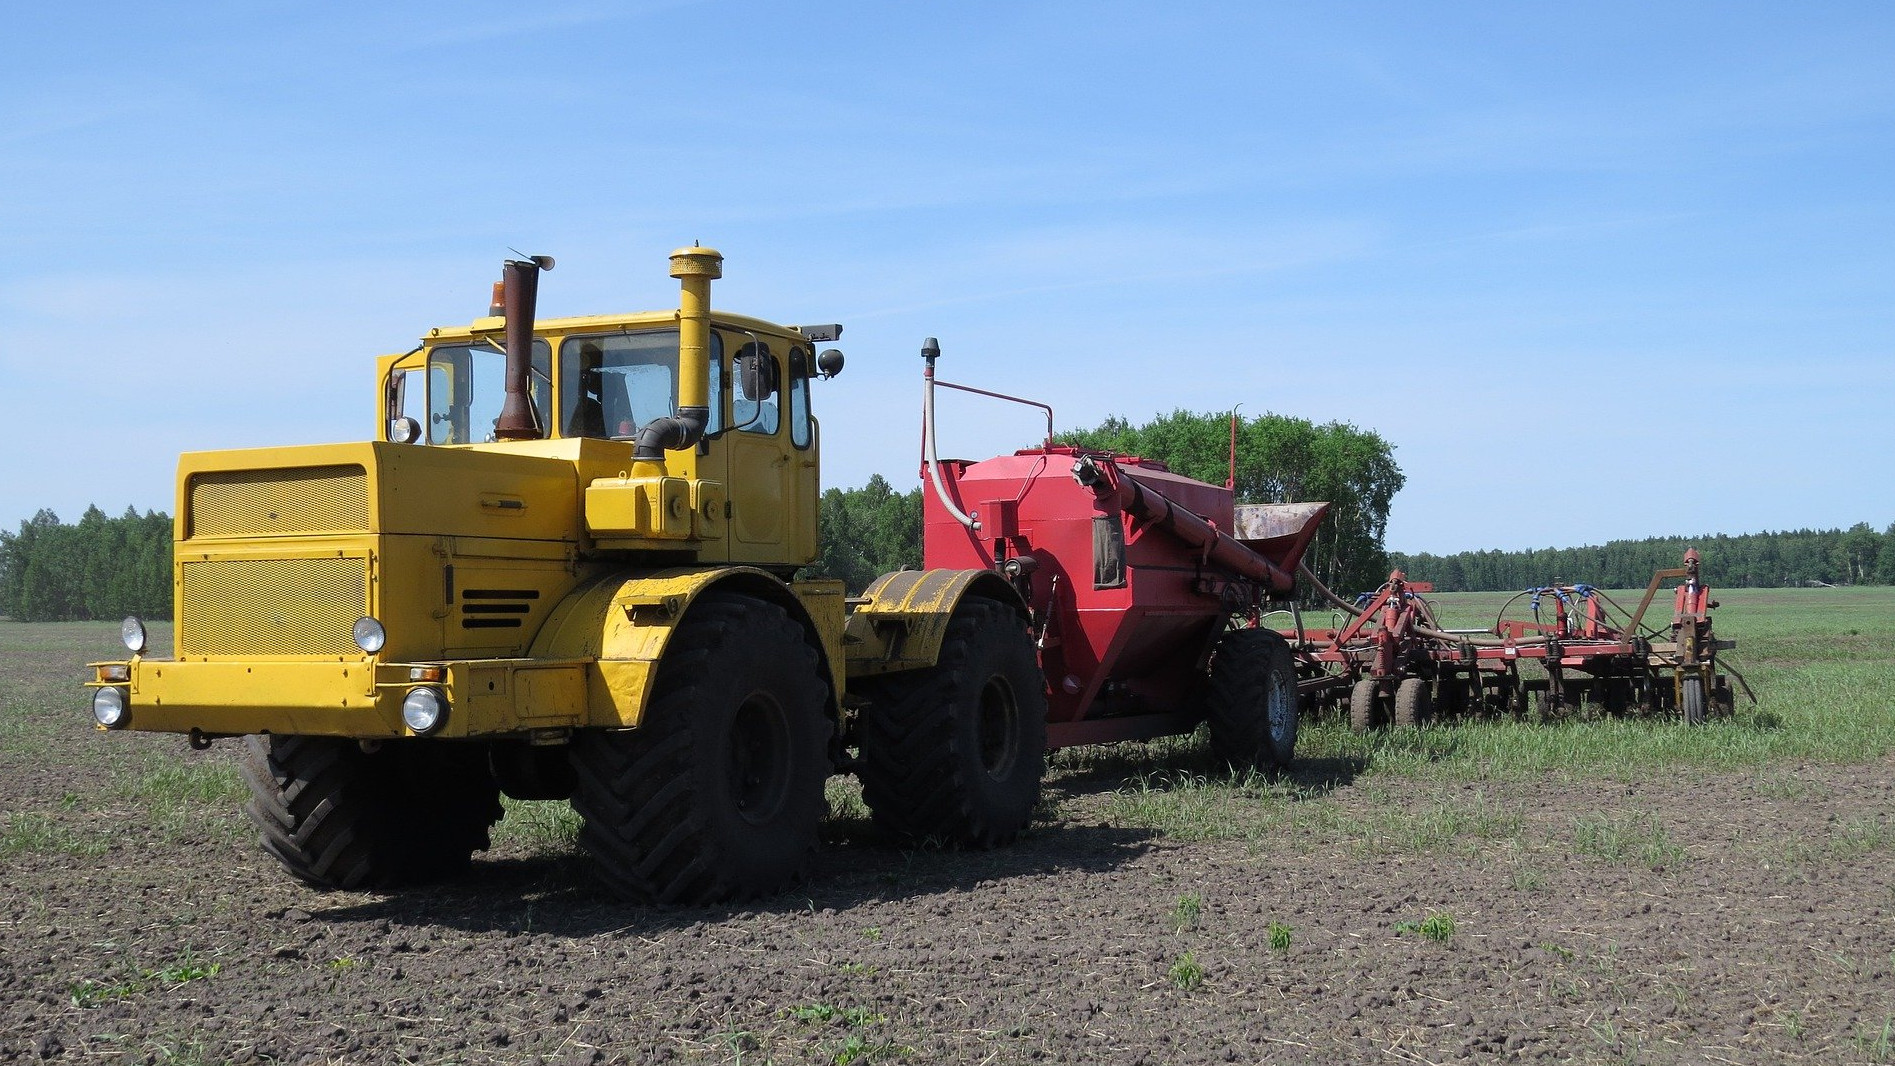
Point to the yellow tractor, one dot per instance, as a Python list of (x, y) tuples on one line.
[(566, 569)]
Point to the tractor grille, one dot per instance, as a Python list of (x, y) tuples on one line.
[(270, 606), (247, 503)]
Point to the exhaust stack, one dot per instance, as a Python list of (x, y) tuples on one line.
[(520, 283), (695, 268)]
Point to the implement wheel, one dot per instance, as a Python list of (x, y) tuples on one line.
[(1250, 701), (1691, 700), (336, 816), (718, 793), (954, 754), (1364, 710), (1413, 703)]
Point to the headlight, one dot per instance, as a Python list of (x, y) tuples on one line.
[(132, 632), (369, 634), (424, 710), (108, 706)]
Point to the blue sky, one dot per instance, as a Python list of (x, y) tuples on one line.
[(1597, 271)]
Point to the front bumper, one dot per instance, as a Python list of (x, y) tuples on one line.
[(359, 698)]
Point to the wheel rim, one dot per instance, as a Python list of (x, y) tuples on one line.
[(999, 726), (760, 759), (1280, 711)]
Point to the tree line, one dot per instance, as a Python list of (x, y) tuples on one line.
[(1854, 556), (98, 568)]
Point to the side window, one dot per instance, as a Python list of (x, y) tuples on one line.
[(755, 397), (799, 397)]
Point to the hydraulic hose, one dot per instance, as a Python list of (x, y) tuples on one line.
[(1426, 631)]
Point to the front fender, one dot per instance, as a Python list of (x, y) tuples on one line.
[(621, 624)]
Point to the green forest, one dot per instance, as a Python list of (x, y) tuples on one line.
[(1854, 556)]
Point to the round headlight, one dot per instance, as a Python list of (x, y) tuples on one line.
[(424, 710), (108, 706), (132, 632), (369, 634)]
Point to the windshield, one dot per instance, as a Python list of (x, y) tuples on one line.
[(467, 386), (613, 384)]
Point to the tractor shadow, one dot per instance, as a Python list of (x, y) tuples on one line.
[(557, 895), (1075, 831)]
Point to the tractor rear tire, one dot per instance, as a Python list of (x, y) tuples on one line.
[(718, 793), (336, 816), (1413, 703), (1692, 700), (1364, 714), (1250, 701), (953, 755)]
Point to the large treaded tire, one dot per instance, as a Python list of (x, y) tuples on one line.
[(953, 755), (1250, 701), (336, 816), (1364, 715), (1414, 703), (718, 794)]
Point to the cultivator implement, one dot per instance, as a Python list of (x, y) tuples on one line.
[(1394, 663)]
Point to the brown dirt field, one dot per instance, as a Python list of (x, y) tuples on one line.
[(1709, 918)]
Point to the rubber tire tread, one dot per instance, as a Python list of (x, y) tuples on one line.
[(1691, 701), (658, 820), (1412, 703), (1362, 700), (337, 817), (921, 769), (1246, 666)]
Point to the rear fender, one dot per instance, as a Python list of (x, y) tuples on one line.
[(905, 615)]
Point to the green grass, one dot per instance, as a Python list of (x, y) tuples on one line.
[(1186, 973), (1185, 915), (1632, 838), (1438, 927)]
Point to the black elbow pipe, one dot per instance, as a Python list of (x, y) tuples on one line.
[(670, 433)]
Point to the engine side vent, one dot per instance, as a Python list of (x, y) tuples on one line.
[(249, 503), (496, 608)]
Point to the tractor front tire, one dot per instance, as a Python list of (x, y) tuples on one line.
[(1363, 714), (1250, 701), (336, 816), (718, 794), (953, 755)]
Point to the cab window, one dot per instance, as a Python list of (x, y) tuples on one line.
[(799, 397), (467, 388), (613, 384)]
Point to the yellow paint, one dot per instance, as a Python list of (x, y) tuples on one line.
[(543, 579)]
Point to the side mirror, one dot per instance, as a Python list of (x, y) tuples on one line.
[(829, 363), (756, 375)]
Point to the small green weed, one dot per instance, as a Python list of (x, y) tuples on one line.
[(185, 969), (86, 993), (814, 1012), (1630, 839), (1186, 973), (27, 832), (1279, 936), (1556, 949), (1438, 927), (1878, 1045), (858, 1048), (873, 932), (341, 964), (855, 969), (1185, 915)]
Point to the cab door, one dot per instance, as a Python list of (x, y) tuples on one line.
[(763, 472)]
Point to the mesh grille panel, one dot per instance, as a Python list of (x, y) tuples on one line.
[(316, 499), (271, 606)]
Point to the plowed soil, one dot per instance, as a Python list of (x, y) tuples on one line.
[(1700, 918)]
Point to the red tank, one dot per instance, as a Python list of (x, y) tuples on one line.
[(1131, 571)]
